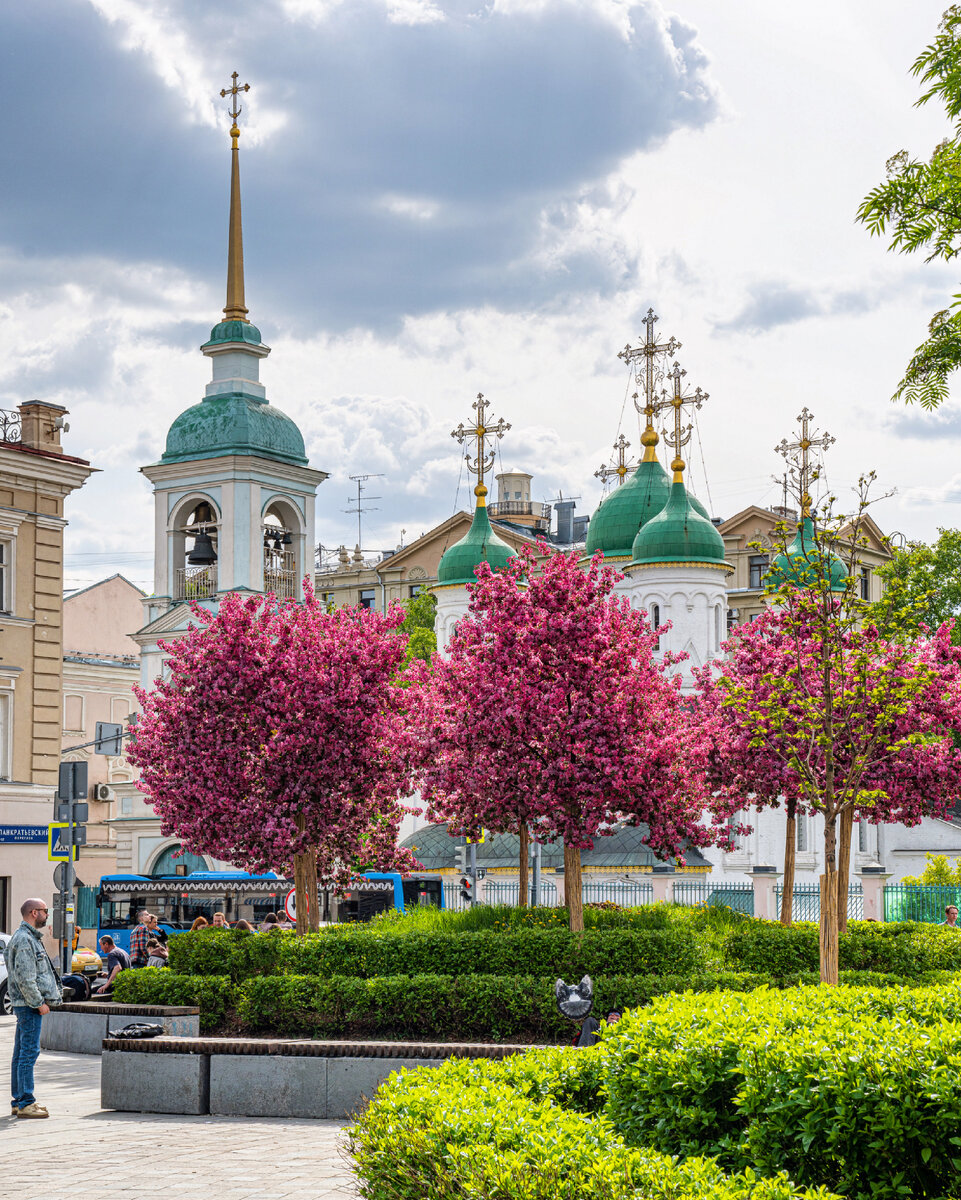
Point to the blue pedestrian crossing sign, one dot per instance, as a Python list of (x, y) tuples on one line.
[(58, 849)]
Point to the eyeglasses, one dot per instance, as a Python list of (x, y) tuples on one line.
[(43, 910)]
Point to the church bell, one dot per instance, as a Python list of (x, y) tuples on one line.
[(203, 552)]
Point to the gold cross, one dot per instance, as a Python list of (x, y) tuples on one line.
[(234, 111), (798, 456), (479, 432), (648, 375), (682, 434), (622, 466)]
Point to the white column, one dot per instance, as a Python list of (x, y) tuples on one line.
[(764, 878)]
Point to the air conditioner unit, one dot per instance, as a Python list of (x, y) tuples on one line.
[(102, 792)]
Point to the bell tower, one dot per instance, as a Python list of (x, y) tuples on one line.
[(233, 492)]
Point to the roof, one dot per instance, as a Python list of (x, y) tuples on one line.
[(678, 534), (234, 423), (434, 848), (479, 544), (620, 515)]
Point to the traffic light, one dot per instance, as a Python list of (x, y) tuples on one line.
[(466, 890), (460, 858)]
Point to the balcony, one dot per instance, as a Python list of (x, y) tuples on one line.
[(11, 427), (507, 510), (280, 573), (195, 583)]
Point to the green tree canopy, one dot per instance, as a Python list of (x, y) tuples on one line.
[(922, 587), (418, 626), (919, 208)]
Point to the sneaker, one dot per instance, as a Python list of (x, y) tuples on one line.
[(34, 1111), (14, 1110)]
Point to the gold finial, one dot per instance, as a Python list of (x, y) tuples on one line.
[(479, 432), (621, 467), (649, 353), (798, 457), (235, 308), (682, 434)]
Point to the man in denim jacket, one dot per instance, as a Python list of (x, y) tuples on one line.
[(32, 986)]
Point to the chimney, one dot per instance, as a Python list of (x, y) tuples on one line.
[(564, 511), (41, 423)]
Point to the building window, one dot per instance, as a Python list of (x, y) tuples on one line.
[(862, 837), (735, 839), (6, 732), (73, 713), (119, 709), (757, 566), (6, 577), (802, 833), (368, 597), (126, 805), (865, 583), (416, 589)]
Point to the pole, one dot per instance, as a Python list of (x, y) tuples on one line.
[(536, 875), (472, 871), (66, 896)]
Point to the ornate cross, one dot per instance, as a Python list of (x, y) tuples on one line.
[(798, 456), (479, 432), (622, 466), (644, 361), (682, 433), (234, 111)]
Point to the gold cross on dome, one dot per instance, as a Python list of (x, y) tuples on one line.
[(644, 359), (682, 433), (234, 111), (797, 455), (479, 433), (621, 468)]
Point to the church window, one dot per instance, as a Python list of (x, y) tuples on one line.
[(416, 589), (862, 837), (656, 616), (368, 597), (802, 833), (865, 583), (757, 566)]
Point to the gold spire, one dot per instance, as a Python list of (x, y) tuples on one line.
[(798, 457), (622, 467), (682, 434), (480, 431), (648, 377), (235, 309)]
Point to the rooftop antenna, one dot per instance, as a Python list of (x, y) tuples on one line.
[(360, 502)]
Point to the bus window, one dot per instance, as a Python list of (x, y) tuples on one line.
[(422, 891)]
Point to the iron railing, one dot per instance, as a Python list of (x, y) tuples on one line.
[(506, 892), (623, 892), (11, 426), (736, 896), (914, 902), (280, 573), (806, 901), (520, 508), (195, 583)]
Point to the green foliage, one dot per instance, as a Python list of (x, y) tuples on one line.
[(922, 587), (733, 1078), (919, 207), (418, 627), (214, 994), (938, 872), (364, 953), (518, 1130)]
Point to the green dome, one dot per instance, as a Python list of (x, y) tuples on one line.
[(233, 331), (233, 423), (799, 565), (678, 534), (698, 506), (479, 544), (614, 525)]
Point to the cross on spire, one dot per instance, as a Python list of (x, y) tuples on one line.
[(797, 455), (682, 433), (234, 111), (644, 360), (478, 433), (622, 466)]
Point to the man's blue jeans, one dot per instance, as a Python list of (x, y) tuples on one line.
[(26, 1051)]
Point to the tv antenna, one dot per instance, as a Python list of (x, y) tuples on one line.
[(361, 501)]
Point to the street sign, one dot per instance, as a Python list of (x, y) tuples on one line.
[(290, 905), (56, 850), (80, 813), (72, 782), (109, 739), (23, 834)]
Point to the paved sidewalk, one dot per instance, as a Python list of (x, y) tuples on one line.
[(85, 1153)]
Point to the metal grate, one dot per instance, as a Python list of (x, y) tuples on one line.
[(806, 903), (623, 892), (496, 892), (736, 896), (914, 902)]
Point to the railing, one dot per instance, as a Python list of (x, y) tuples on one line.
[(11, 427), (806, 901), (623, 892), (736, 896), (496, 892), (520, 508), (280, 573), (195, 583), (913, 902)]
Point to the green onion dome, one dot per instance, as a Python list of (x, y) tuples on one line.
[(479, 544), (678, 534), (800, 565), (234, 423), (615, 523)]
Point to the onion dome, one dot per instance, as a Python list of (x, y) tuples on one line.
[(479, 544), (678, 534), (615, 523), (801, 564)]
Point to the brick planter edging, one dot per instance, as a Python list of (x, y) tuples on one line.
[(315, 1049)]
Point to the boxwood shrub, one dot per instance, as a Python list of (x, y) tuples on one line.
[(215, 995), (520, 1130)]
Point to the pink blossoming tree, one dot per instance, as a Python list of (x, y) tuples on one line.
[(551, 712), (275, 740)]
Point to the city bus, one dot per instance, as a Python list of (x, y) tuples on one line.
[(177, 900)]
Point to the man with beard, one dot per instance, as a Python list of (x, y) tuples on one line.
[(32, 987)]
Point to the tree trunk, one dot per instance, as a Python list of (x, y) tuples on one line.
[(524, 865), (300, 884), (573, 888), (829, 905), (790, 851), (310, 883), (844, 867)]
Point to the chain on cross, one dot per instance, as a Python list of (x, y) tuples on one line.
[(234, 111), (682, 433), (479, 433), (644, 361), (797, 455), (621, 468)]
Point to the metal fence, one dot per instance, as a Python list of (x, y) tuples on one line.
[(806, 902), (624, 892), (913, 902), (737, 896), (507, 892)]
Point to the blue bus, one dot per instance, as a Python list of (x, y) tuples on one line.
[(178, 900)]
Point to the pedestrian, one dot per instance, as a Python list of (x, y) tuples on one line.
[(220, 921), (590, 1027), (32, 987), (117, 960), (951, 918), (199, 923), (613, 1017), (156, 953), (269, 922), (138, 938), (244, 925)]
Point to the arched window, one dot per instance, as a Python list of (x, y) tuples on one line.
[(283, 551), (177, 861), (193, 534)]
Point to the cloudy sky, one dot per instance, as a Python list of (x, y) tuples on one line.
[(450, 196)]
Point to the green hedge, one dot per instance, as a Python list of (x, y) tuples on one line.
[(519, 1130), (859, 1090), (214, 994), (368, 954)]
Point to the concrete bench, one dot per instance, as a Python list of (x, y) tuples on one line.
[(81, 1028), (263, 1078)]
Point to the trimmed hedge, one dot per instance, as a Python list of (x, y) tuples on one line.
[(214, 994), (857, 1090), (367, 954), (518, 1130)]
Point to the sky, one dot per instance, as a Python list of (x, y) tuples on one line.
[(450, 196)]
